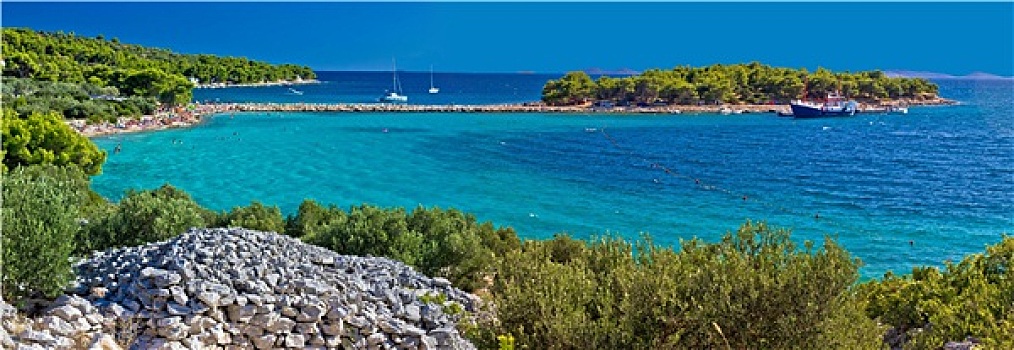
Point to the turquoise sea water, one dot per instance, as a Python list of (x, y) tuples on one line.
[(941, 178)]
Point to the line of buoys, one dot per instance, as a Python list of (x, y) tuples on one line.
[(710, 187)]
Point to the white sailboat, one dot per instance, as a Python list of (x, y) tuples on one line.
[(394, 95), (433, 89)]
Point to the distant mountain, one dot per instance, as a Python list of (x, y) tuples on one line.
[(621, 71), (984, 75), (934, 75)]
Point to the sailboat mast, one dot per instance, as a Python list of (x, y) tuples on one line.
[(431, 76), (394, 75)]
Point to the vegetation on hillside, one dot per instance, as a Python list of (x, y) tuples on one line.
[(73, 101), (752, 83), (132, 69)]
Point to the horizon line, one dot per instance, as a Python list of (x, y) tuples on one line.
[(975, 75)]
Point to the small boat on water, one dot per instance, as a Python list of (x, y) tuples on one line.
[(897, 110), (295, 92), (394, 96), (833, 106), (433, 89)]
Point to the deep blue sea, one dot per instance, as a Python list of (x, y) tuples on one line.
[(895, 190)]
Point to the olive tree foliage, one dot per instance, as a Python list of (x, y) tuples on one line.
[(43, 138), (143, 217), (256, 216), (41, 207), (972, 298), (754, 289), (438, 242)]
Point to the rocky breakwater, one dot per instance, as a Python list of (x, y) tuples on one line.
[(243, 289)]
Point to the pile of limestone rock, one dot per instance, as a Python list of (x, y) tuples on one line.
[(237, 288)]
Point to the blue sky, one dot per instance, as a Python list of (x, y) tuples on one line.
[(555, 37)]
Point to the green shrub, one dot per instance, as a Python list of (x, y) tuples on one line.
[(456, 246), (256, 216), (972, 298), (754, 289), (446, 243), (144, 217), (312, 219), (43, 138), (40, 211), (369, 230)]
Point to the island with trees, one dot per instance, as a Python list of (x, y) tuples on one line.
[(736, 84)]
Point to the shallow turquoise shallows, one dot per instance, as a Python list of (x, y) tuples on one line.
[(896, 190)]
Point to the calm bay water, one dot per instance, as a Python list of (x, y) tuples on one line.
[(896, 190)]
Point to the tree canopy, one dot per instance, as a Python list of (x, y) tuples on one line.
[(752, 83), (43, 138), (132, 69)]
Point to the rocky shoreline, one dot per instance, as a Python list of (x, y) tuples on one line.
[(242, 289)]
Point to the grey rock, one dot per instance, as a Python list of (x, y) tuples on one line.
[(359, 322), (209, 298), (39, 337), (289, 311), (220, 336), (412, 313), (337, 312), (336, 328), (5, 339), (56, 325), (94, 318), (67, 312), (282, 325), (242, 314), (414, 331), (295, 340), (428, 343), (266, 341), (310, 313), (441, 282), (103, 342), (81, 325), (132, 305), (331, 341), (375, 339), (176, 309), (179, 295), (307, 329)]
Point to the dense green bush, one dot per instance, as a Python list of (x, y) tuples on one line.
[(43, 138), (754, 289), (256, 216), (312, 219), (972, 298), (143, 217), (438, 242), (40, 211)]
